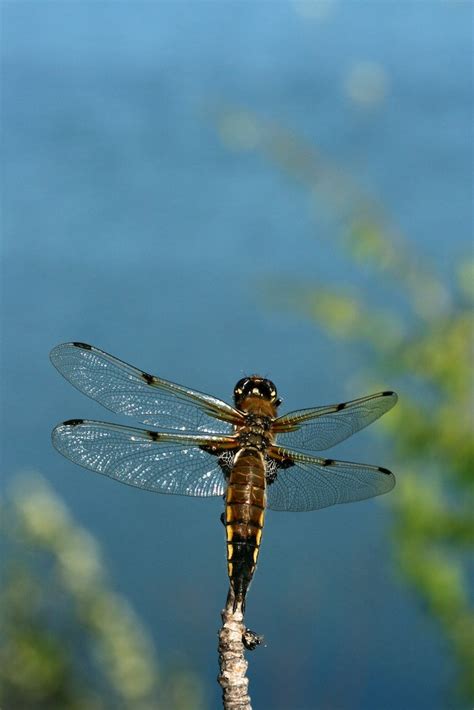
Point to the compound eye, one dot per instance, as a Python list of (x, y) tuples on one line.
[(271, 389), (240, 386), (264, 388)]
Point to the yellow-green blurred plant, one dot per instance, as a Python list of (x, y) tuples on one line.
[(423, 346), (68, 641)]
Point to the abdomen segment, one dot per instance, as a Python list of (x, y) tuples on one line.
[(244, 518)]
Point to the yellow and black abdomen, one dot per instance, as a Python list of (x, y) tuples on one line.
[(244, 517)]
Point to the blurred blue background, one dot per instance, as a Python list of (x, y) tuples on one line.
[(133, 220)]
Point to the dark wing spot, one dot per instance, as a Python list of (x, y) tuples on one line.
[(153, 435), (388, 393), (328, 462), (149, 379), (73, 422), (385, 470), (84, 346), (340, 406), (286, 463)]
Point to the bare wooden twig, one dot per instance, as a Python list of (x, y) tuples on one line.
[(234, 638)]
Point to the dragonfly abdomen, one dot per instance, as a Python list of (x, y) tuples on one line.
[(244, 518)]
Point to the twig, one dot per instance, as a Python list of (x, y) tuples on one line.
[(234, 638)]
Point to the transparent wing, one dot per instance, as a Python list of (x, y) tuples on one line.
[(322, 427), (310, 483), (164, 463), (127, 390)]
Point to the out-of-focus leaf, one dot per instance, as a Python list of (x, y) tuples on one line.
[(427, 347), (69, 642)]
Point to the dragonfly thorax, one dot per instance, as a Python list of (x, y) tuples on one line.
[(255, 434)]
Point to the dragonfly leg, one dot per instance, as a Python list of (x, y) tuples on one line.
[(251, 640)]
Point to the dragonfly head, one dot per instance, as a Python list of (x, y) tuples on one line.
[(257, 387)]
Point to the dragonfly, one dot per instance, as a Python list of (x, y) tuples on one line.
[(198, 445)]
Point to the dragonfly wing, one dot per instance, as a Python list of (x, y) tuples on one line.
[(128, 390), (308, 483), (164, 463), (322, 427)]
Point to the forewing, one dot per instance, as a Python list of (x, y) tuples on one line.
[(164, 463), (322, 427), (153, 401), (310, 483)]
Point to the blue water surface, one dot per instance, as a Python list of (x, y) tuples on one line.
[(130, 224)]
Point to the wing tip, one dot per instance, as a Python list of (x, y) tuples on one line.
[(56, 354), (53, 353), (72, 422), (59, 428), (73, 344)]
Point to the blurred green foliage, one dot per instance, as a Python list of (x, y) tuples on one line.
[(68, 641), (417, 338)]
